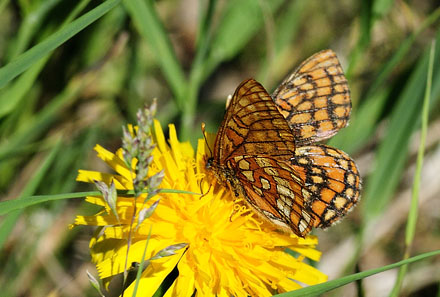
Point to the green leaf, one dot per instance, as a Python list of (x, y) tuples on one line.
[(150, 27), (9, 222), (142, 263), (11, 205), (363, 121), (393, 151), (31, 24), (16, 92), (241, 20), (413, 212), (25, 60), (16, 204), (319, 289), (382, 7)]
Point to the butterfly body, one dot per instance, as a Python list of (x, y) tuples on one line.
[(225, 176), (265, 155)]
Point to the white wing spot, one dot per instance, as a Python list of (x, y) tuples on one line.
[(263, 162), (282, 190), (288, 200), (264, 183), (281, 181), (350, 179), (330, 214), (270, 171), (257, 190), (302, 226), (306, 216), (249, 175), (243, 164), (281, 205)]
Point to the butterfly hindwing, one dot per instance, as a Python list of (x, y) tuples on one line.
[(315, 99), (331, 182)]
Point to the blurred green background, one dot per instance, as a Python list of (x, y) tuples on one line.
[(74, 72)]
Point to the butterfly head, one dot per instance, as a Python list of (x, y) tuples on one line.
[(209, 163), (220, 173)]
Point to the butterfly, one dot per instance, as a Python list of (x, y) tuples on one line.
[(264, 150)]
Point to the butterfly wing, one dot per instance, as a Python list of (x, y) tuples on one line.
[(252, 150), (253, 126), (296, 188), (331, 182), (273, 188), (315, 99)]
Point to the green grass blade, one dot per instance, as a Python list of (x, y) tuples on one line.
[(3, 4), (287, 27), (382, 7), (142, 263), (363, 122), (9, 222), (289, 24), (16, 204), (150, 27), (17, 90), (39, 122), (197, 73), (241, 20), (366, 24), (317, 290), (401, 53), (412, 217), (392, 153), (20, 203), (31, 24), (30, 57), (413, 211), (227, 41)]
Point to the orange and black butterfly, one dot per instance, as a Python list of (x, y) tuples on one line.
[(264, 148)]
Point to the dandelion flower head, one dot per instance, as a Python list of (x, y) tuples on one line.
[(229, 250)]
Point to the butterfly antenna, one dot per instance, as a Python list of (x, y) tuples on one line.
[(206, 139)]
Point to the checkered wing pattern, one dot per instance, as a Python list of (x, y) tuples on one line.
[(253, 126), (315, 99), (274, 190), (331, 182), (252, 152), (264, 148)]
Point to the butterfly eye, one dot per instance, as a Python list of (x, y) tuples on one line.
[(209, 162)]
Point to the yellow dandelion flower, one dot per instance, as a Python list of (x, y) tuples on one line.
[(229, 251)]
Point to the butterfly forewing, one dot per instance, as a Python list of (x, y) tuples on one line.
[(274, 190), (253, 126), (251, 154), (331, 182), (315, 99)]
